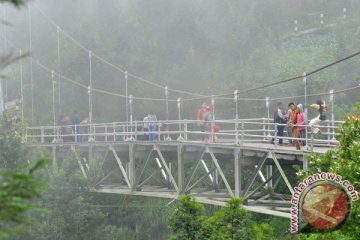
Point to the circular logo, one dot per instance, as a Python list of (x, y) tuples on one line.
[(325, 206)]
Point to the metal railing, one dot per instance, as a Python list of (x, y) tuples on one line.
[(238, 132)]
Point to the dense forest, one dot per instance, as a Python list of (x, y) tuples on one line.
[(195, 47)]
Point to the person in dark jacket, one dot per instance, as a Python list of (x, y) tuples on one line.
[(280, 117), (75, 121)]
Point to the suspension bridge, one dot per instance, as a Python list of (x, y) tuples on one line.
[(237, 161)]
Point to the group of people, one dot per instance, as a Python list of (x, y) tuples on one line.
[(150, 126), (295, 118), (204, 120), (71, 125)]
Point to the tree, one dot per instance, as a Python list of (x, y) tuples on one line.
[(230, 222), (344, 160), (20, 181), (187, 219), (12, 152), (234, 222), (17, 188)]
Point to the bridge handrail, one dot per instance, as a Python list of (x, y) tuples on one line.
[(236, 131)]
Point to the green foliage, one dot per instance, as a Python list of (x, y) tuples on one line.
[(192, 50), (344, 160), (335, 235), (290, 62), (230, 222), (187, 219), (17, 3), (20, 181), (17, 188), (77, 213), (234, 222), (12, 151), (71, 214)]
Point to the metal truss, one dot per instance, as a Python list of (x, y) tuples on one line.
[(212, 174)]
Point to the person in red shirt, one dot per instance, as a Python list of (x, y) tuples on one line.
[(200, 120)]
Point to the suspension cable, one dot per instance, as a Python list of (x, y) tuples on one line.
[(119, 68), (282, 81), (37, 62)]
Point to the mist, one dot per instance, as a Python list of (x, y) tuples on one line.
[(165, 53)]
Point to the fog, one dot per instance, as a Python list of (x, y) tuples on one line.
[(92, 55), (201, 47)]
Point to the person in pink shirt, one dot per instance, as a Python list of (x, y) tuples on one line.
[(301, 121)]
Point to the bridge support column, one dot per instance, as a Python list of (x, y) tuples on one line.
[(180, 160), (132, 176), (238, 172)]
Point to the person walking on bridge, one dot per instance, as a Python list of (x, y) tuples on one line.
[(146, 127), (280, 118), (152, 120), (208, 117), (200, 115), (293, 124), (301, 122)]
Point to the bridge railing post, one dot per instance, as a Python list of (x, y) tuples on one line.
[(212, 132), (242, 133), (42, 134), (185, 130), (312, 139), (159, 130), (94, 133), (275, 134), (124, 132), (236, 131), (26, 135), (264, 129), (57, 134), (114, 131), (76, 135), (106, 131), (180, 138)]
